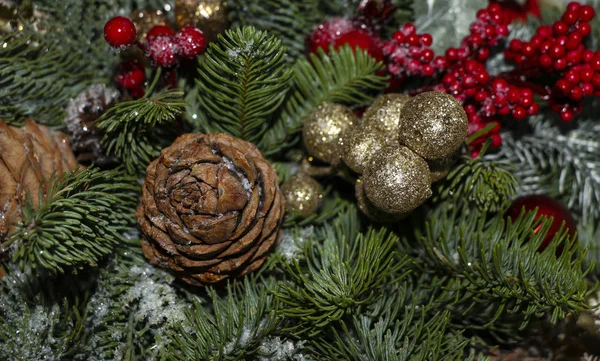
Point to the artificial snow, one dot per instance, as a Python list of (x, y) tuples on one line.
[(277, 349), (290, 247)]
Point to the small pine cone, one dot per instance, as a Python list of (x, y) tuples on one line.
[(30, 155), (211, 208), (84, 136)]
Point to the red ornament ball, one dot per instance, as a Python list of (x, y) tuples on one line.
[(119, 32), (191, 41), (547, 207)]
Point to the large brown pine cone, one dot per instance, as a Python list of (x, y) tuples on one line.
[(211, 208), (29, 156)]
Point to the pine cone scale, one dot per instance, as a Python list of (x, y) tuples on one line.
[(211, 207)]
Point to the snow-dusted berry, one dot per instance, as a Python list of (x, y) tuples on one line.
[(162, 51), (190, 41), (159, 30)]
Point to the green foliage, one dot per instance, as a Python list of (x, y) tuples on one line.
[(288, 20), (564, 165), (78, 222), (233, 327), (413, 336), (40, 70), (242, 81), (135, 130), (33, 328), (343, 76), (341, 276), (497, 264), (488, 185), (133, 308)]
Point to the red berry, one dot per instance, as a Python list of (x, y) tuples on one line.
[(564, 86), (586, 13), (519, 113), (426, 40), (560, 28), (119, 32), (533, 109), (576, 93), (162, 51), (191, 41), (159, 30), (570, 17), (584, 29), (496, 140), (130, 76), (573, 7), (566, 115)]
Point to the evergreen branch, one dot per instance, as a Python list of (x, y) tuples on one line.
[(344, 76), (288, 20), (567, 166), (78, 222), (342, 276), (33, 329), (133, 309), (234, 329), (486, 184), (133, 129), (497, 263), (242, 82)]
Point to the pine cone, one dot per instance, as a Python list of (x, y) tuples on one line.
[(30, 155), (85, 137), (211, 208)]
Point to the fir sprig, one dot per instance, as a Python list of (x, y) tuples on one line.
[(78, 222), (496, 262), (344, 76), (342, 275), (489, 185), (242, 82), (132, 129), (288, 20), (232, 329), (34, 328)]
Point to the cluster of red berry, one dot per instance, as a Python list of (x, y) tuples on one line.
[(162, 46), (462, 71), (559, 50)]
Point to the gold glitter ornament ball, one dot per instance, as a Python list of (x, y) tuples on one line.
[(302, 194), (397, 180), (370, 210), (433, 125), (440, 167), (146, 19), (360, 145), (210, 16), (323, 131), (384, 115)]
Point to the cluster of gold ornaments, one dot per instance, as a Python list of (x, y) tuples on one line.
[(400, 147)]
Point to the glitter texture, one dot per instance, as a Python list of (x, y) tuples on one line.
[(433, 125), (210, 16), (384, 115), (302, 194), (323, 129), (370, 210), (397, 180), (361, 144), (440, 167)]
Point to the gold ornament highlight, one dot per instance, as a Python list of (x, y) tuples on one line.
[(302, 194), (433, 125), (384, 115), (146, 19), (397, 180), (210, 16), (323, 131), (361, 144)]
